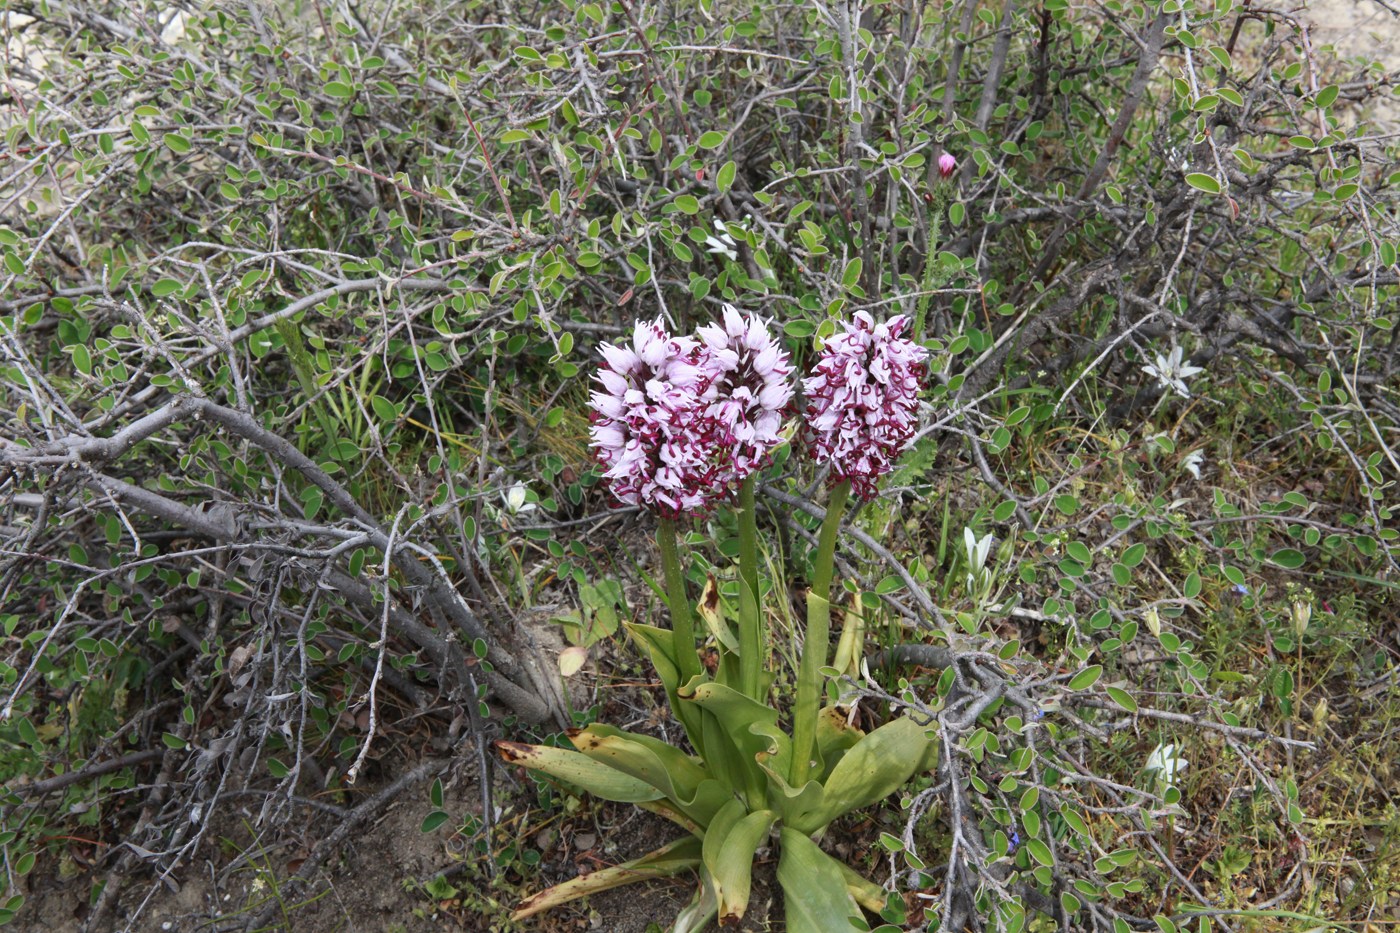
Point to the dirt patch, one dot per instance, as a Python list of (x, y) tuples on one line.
[(1361, 32)]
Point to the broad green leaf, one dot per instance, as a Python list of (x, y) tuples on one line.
[(177, 143), (711, 140), (736, 731), (576, 768), (728, 852), (1288, 558), (659, 646), (684, 781), (814, 888), (669, 860), (850, 276), (82, 359), (872, 769)]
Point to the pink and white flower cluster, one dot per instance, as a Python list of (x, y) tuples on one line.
[(680, 422), (863, 400)]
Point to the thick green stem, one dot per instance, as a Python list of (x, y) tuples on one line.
[(682, 618), (750, 616), (814, 643)]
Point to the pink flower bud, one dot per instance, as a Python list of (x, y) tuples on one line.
[(947, 165)]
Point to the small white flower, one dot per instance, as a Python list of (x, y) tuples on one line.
[(977, 552), (1172, 371), (721, 243), (515, 499), (1192, 463), (1165, 764)]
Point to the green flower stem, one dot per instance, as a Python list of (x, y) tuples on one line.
[(682, 618), (750, 618), (804, 715)]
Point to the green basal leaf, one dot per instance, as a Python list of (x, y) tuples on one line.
[(669, 860), (657, 643), (685, 781), (751, 726), (728, 853), (815, 895), (701, 910), (576, 768), (794, 807), (874, 768)]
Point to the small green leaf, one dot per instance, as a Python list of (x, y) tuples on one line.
[(1123, 698), (177, 143), (1288, 558), (82, 359), (1086, 678), (1203, 182), (384, 409), (1327, 95), (433, 820), (850, 276), (338, 89), (1040, 851), (687, 204), (724, 180), (173, 741), (166, 287), (1192, 587), (711, 140)]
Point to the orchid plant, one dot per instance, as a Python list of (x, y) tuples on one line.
[(683, 425)]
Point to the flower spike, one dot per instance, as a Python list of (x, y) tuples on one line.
[(863, 399), (749, 375), (648, 419)]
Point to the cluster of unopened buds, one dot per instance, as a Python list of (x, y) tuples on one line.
[(680, 422)]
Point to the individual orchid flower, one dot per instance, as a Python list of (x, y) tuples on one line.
[(947, 165), (649, 419), (863, 400), (976, 552), (516, 500), (1172, 371), (748, 374), (721, 243), (1165, 765), (1192, 463)]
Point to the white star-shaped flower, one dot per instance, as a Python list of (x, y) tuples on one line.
[(1172, 371)]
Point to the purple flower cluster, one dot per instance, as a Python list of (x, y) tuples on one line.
[(863, 400), (679, 422), (646, 420)]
